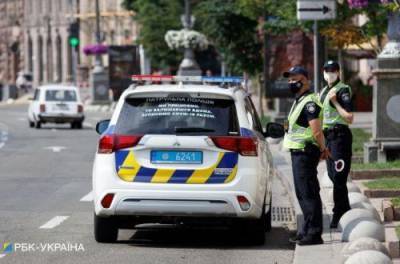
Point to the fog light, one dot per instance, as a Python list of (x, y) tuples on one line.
[(244, 203), (107, 200)]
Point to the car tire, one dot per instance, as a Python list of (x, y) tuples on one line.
[(31, 124), (268, 217), (105, 229), (38, 124), (79, 125)]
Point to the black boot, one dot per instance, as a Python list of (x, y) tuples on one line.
[(310, 240), (296, 238), (335, 220)]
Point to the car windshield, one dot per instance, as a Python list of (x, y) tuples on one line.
[(178, 115), (61, 95)]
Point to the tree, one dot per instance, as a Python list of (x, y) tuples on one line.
[(155, 18), (232, 33)]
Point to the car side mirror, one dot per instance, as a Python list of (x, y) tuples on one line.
[(102, 126), (274, 130)]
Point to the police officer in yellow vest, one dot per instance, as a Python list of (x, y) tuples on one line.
[(305, 140), (337, 109)]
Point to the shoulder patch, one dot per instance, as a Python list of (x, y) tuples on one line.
[(346, 97), (311, 107)]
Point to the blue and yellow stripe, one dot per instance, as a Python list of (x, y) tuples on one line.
[(223, 171)]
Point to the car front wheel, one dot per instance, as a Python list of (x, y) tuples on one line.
[(105, 229)]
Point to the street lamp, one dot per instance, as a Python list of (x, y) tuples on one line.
[(98, 63), (188, 65), (99, 81)]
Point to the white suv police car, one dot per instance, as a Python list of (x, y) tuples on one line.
[(189, 150)]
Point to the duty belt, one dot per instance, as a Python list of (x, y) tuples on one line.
[(336, 129)]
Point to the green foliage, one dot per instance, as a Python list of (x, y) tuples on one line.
[(360, 136), (384, 184), (396, 202), (156, 17), (233, 33)]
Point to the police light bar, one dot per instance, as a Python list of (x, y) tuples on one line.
[(222, 79), (194, 79), (151, 78)]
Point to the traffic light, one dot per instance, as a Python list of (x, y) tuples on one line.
[(73, 37)]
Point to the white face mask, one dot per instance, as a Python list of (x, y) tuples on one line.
[(330, 77)]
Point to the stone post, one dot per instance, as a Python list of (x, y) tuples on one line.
[(385, 142)]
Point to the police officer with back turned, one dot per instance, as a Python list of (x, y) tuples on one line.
[(337, 115), (305, 140)]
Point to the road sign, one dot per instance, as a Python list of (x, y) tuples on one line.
[(316, 9)]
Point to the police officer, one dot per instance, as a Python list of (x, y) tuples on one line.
[(305, 140), (337, 115)]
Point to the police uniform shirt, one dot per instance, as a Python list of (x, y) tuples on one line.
[(310, 111), (343, 98)]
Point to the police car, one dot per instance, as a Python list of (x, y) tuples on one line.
[(183, 149)]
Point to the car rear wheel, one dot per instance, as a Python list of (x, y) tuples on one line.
[(105, 229), (77, 125), (268, 218), (38, 124), (31, 124)]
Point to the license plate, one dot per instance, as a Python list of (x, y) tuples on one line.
[(176, 157), (60, 107)]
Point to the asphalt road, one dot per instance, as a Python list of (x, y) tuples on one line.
[(46, 211)]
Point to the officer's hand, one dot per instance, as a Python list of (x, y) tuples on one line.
[(332, 95), (325, 154)]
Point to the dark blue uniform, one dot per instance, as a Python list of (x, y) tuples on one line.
[(304, 167), (339, 141)]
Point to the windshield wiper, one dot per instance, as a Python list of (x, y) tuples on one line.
[(192, 129)]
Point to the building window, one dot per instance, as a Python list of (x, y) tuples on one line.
[(30, 54), (59, 58), (49, 60), (40, 58)]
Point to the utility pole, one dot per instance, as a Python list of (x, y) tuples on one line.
[(316, 58), (99, 81), (98, 65)]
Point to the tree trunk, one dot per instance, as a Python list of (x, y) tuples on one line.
[(341, 63), (260, 94)]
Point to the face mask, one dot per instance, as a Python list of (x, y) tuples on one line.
[(295, 87), (330, 77)]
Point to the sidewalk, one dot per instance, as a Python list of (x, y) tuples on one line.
[(24, 99), (329, 252)]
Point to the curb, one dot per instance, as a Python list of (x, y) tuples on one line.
[(373, 174)]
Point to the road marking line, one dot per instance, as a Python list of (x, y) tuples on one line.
[(1, 144), (55, 221), (88, 124), (88, 197), (2, 255), (56, 148)]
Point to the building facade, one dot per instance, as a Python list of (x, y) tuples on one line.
[(116, 24), (47, 53), (11, 40)]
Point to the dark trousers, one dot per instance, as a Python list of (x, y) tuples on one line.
[(339, 141), (304, 166)]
